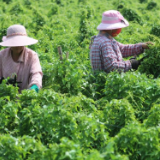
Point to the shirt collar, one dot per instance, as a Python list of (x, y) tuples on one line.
[(21, 58)]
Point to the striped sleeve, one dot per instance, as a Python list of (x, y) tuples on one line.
[(130, 49), (111, 62)]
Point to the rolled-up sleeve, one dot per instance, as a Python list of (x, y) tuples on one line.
[(35, 72), (130, 49), (111, 62)]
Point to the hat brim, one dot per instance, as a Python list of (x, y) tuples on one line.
[(104, 26), (18, 40)]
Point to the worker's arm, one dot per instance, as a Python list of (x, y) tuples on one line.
[(35, 78), (130, 49), (111, 60)]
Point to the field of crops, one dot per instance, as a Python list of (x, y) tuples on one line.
[(78, 115)]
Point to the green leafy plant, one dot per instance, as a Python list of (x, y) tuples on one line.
[(151, 5), (143, 1), (150, 64), (131, 15), (155, 30), (80, 114)]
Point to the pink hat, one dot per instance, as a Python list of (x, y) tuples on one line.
[(17, 36), (112, 19)]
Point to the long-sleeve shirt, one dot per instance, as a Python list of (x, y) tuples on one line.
[(107, 54), (27, 69)]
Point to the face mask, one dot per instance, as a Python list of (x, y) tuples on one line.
[(118, 31)]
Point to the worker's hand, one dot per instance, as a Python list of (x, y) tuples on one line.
[(146, 45), (135, 63), (35, 87)]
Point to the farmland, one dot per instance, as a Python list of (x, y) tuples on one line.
[(78, 115)]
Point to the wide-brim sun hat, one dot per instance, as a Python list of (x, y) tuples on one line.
[(112, 19), (17, 36)]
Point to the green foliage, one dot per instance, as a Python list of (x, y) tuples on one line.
[(143, 1), (79, 114), (120, 5), (65, 77), (9, 119), (151, 5), (131, 15), (2, 32), (150, 65), (82, 1), (138, 142), (58, 2), (27, 2), (8, 91), (90, 11), (118, 113), (155, 30), (99, 80), (7, 1), (16, 9), (38, 19), (126, 84), (83, 26), (54, 10), (140, 91), (153, 119), (67, 149)]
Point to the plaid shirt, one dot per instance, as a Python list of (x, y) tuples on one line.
[(27, 69), (107, 54)]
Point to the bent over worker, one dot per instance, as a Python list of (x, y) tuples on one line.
[(106, 53), (20, 61)]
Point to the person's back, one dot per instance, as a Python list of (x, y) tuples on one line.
[(97, 59)]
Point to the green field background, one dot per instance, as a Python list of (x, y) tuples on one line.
[(78, 115)]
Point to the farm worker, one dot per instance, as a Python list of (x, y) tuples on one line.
[(19, 60), (106, 53)]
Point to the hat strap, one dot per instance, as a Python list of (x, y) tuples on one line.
[(17, 34)]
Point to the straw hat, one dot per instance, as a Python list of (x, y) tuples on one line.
[(112, 19), (17, 36)]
